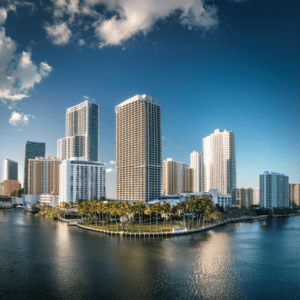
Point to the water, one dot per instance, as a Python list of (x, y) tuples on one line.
[(44, 259)]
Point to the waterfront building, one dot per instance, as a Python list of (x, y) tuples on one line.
[(32, 150), (138, 147), (80, 178), (10, 170), (8, 186), (49, 199), (30, 201), (294, 195), (219, 161), (274, 190), (81, 132), (256, 196), (223, 200), (43, 175), (177, 177), (244, 197), (196, 163)]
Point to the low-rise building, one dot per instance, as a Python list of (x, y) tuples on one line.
[(49, 199)]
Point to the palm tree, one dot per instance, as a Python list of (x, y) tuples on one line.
[(93, 207), (131, 213), (165, 209), (156, 209), (99, 209), (149, 211), (173, 211), (106, 210), (140, 208)]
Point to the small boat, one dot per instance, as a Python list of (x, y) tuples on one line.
[(19, 207)]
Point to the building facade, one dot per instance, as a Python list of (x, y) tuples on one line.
[(43, 175), (219, 161), (196, 163), (81, 132), (177, 177), (244, 197), (32, 150), (80, 178), (294, 195), (10, 170), (274, 190), (49, 199), (8, 186), (138, 147)]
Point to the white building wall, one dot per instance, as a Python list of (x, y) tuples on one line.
[(196, 163)]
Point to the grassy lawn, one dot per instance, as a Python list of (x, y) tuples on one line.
[(145, 227)]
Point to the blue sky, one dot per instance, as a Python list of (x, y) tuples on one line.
[(211, 64)]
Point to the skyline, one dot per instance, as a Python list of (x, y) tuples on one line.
[(240, 73)]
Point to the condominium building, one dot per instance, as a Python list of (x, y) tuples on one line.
[(244, 197), (197, 165), (80, 178), (274, 190), (81, 132), (294, 195), (8, 186), (177, 177), (10, 170), (49, 199), (219, 161), (43, 175), (32, 150), (138, 146), (256, 196)]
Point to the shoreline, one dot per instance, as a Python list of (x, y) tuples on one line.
[(125, 233)]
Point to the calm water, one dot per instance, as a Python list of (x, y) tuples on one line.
[(43, 259)]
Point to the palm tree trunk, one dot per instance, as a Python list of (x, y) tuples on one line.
[(131, 226), (163, 225), (140, 221), (192, 221), (150, 224), (156, 223), (117, 224), (183, 219), (171, 222)]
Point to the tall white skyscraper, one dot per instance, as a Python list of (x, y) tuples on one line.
[(81, 132), (219, 161), (81, 179), (274, 190), (197, 165), (10, 170), (138, 145)]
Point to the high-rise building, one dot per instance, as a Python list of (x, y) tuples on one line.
[(219, 161), (138, 146), (10, 170), (274, 190), (81, 179), (43, 175), (177, 177), (197, 165), (8, 186), (294, 195), (256, 196), (81, 132), (32, 150)]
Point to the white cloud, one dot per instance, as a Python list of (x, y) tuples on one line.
[(109, 170), (112, 162), (81, 42), (86, 97), (59, 33), (3, 15), (18, 73), (19, 118)]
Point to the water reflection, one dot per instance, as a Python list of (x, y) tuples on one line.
[(250, 260)]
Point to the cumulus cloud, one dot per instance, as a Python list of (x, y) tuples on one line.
[(120, 20), (112, 162), (109, 170), (18, 73), (19, 118), (59, 33), (3, 15)]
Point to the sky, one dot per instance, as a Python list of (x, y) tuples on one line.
[(211, 65)]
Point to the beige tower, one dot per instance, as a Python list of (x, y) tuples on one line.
[(43, 175), (294, 195), (138, 143)]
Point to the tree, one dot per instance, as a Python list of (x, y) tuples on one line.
[(173, 211), (157, 209), (149, 211), (140, 208), (165, 212)]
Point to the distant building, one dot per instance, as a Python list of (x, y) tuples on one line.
[(256, 196), (177, 177), (32, 150), (43, 175), (274, 190), (49, 199), (10, 170), (30, 201), (81, 179), (294, 195), (197, 165), (8, 186), (138, 147), (244, 197), (81, 132), (219, 161)]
